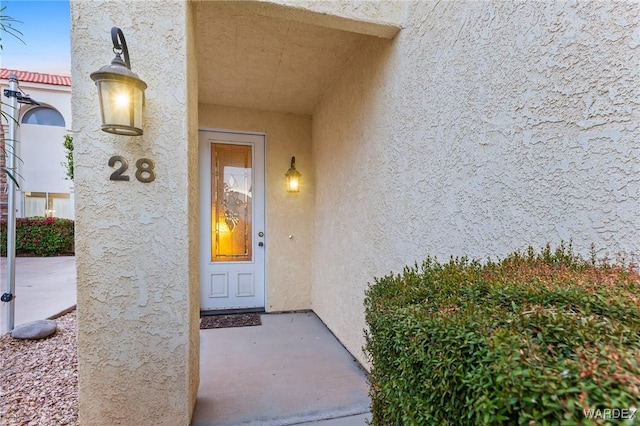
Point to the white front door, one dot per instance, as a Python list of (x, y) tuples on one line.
[(232, 220)]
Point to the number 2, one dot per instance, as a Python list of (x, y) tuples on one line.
[(124, 165)]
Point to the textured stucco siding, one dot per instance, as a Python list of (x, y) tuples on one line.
[(192, 360), (380, 18), (288, 260), (136, 243), (480, 129), (362, 11)]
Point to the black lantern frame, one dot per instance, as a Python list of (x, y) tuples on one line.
[(121, 91)]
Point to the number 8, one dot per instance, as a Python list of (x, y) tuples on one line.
[(145, 173)]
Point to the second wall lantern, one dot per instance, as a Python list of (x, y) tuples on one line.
[(121, 91), (293, 177)]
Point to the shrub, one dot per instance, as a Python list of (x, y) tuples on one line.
[(537, 338), (68, 153), (39, 236)]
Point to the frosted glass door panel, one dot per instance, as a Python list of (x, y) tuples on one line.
[(231, 203)]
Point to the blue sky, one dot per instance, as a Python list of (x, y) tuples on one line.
[(45, 27)]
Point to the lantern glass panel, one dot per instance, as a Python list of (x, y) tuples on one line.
[(121, 104), (293, 184)]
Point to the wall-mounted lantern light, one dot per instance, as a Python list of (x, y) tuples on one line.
[(121, 91), (293, 177)]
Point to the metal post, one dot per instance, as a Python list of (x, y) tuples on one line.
[(11, 204)]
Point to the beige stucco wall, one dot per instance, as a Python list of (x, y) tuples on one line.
[(362, 11), (480, 129), (192, 360), (288, 260), (136, 243), (380, 18)]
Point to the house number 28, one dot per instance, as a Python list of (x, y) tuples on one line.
[(144, 169)]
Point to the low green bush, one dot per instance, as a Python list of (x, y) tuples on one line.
[(39, 236), (539, 338)]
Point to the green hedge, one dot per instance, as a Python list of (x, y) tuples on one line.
[(39, 236), (537, 338)]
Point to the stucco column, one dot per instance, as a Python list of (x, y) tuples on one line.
[(136, 242)]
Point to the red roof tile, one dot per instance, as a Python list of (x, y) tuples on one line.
[(36, 77)]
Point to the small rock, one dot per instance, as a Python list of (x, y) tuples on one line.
[(34, 330)]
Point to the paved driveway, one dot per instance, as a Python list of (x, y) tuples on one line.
[(44, 287)]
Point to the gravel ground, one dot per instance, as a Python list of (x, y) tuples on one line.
[(39, 385)]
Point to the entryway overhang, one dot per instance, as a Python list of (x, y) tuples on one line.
[(263, 68), (280, 56)]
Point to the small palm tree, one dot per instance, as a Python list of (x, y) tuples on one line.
[(7, 27)]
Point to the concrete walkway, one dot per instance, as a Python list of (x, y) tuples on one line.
[(288, 371), (44, 287)]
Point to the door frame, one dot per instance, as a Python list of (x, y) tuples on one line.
[(200, 233)]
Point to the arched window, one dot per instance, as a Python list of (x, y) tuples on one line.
[(43, 116)]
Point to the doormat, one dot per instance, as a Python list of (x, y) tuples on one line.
[(230, 320)]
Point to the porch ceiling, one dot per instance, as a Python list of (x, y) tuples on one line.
[(246, 59)]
